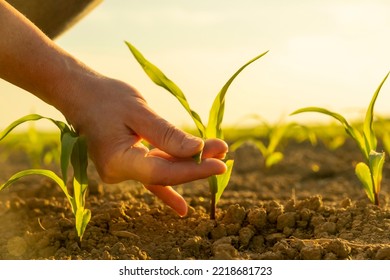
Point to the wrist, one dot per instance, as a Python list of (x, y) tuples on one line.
[(74, 88)]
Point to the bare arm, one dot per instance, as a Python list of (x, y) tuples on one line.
[(32, 61), (111, 114)]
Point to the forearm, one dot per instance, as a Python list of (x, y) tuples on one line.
[(30, 60)]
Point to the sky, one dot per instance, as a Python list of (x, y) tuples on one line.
[(331, 54)]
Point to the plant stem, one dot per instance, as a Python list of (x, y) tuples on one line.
[(212, 206), (376, 198), (376, 194)]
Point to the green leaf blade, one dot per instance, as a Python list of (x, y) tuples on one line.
[(213, 128), (273, 159), (368, 129), (32, 117), (276, 137), (376, 162), (67, 143), (82, 217), (364, 175), (79, 160), (261, 147), (13, 125), (239, 142), (324, 111), (223, 180), (43, 172), (198, 157), (351, 131), (160, 79)]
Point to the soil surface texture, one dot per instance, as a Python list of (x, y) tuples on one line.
[(309, 206)]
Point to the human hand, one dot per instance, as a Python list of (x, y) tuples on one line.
[(114, 118)]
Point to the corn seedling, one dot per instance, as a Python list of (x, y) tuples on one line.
[(73, 151), (370, 171), (333, 143), (213, 128), (270, 144), (328, 135)]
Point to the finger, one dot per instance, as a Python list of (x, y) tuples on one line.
[(163, 135), (213, 148), (165, 172), (170, 197), (137, 164)]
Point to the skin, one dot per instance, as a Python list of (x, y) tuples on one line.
[(112, 115)]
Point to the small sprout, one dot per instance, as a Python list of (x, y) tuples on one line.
[(73, 151), (269, 143), (213, 129), (370, 171), (371, 175)]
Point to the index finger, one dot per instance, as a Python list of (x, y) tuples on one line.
[(136, 163), (213, 148)]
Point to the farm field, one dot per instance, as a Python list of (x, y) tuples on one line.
[(310, 205)]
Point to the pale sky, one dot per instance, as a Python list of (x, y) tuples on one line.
[(331, 54)]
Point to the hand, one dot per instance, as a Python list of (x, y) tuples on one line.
[(116, 118)]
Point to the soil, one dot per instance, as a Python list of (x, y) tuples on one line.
[(309, 206)]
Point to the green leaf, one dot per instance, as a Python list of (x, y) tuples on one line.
[(238, 143), (83, 216), (32, 117), (79, 159), (198, 157), (337, 116), (364, 174), (276, 137), (376, 161), (213, 129), (273, 159), (47, 173), (159, 78), (67, 143), (261, 146), (353, 132), (223, 180), (335, 142), (368, 130)]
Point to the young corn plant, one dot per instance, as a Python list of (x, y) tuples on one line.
[(369, 172), (74, 152), (270, 147), (213, 128)]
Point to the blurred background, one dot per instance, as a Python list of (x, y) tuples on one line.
[(331, 54)]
